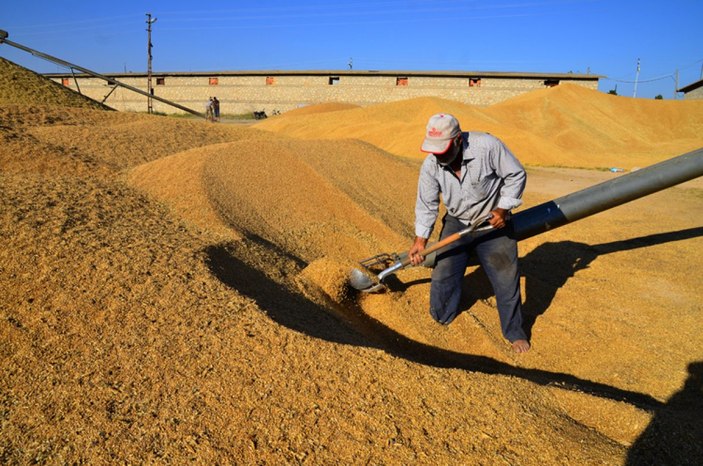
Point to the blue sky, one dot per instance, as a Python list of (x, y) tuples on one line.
[(604, 37)]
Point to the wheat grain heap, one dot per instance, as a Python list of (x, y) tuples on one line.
[(174, 291)]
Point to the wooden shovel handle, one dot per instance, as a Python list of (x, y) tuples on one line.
[(448, 240)]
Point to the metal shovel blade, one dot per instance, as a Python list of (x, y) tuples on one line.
[(363, 282)]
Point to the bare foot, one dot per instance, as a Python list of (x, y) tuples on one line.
[(521, 346)]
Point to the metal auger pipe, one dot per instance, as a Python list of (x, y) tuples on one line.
[(113, 81), (607, 194)]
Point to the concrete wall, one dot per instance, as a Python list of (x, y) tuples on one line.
[(240, 94)]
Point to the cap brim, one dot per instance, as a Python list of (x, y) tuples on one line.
[(436, 146)]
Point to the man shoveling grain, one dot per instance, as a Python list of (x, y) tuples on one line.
[(477, 177)]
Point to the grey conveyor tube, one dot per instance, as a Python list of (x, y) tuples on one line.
[(4, 40), (608, 194)]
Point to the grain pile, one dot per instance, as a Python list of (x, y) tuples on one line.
[(173, 291), (21, 86), (567, 125), (320, 108)]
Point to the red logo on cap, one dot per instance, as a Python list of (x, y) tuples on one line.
[(434, 133)]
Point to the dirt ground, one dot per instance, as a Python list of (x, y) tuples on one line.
[(175, 291)]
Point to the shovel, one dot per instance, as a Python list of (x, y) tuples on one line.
[(367, 282)]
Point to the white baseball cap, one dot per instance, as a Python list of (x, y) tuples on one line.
[(441, 129)]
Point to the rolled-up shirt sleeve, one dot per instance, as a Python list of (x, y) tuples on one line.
[(509, 168), (427, 203)]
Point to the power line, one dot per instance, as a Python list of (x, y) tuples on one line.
[(641, 80), (659, 78)]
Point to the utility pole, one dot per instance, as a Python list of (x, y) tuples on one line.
[(676, 83), (150, 89), (637, 77)]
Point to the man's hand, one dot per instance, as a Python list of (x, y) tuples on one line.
[(415, 250), (498, 218)]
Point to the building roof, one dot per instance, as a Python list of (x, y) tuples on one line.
[(691, 87), (435, 74)]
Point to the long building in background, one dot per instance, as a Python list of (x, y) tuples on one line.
[(243, 92)]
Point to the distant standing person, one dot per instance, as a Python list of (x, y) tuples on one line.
[(477, 178), (209, 109), (216, 108)]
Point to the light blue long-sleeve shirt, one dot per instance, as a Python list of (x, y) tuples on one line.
[(491, 177)]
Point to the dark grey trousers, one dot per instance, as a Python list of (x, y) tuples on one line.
[(497, 254)]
